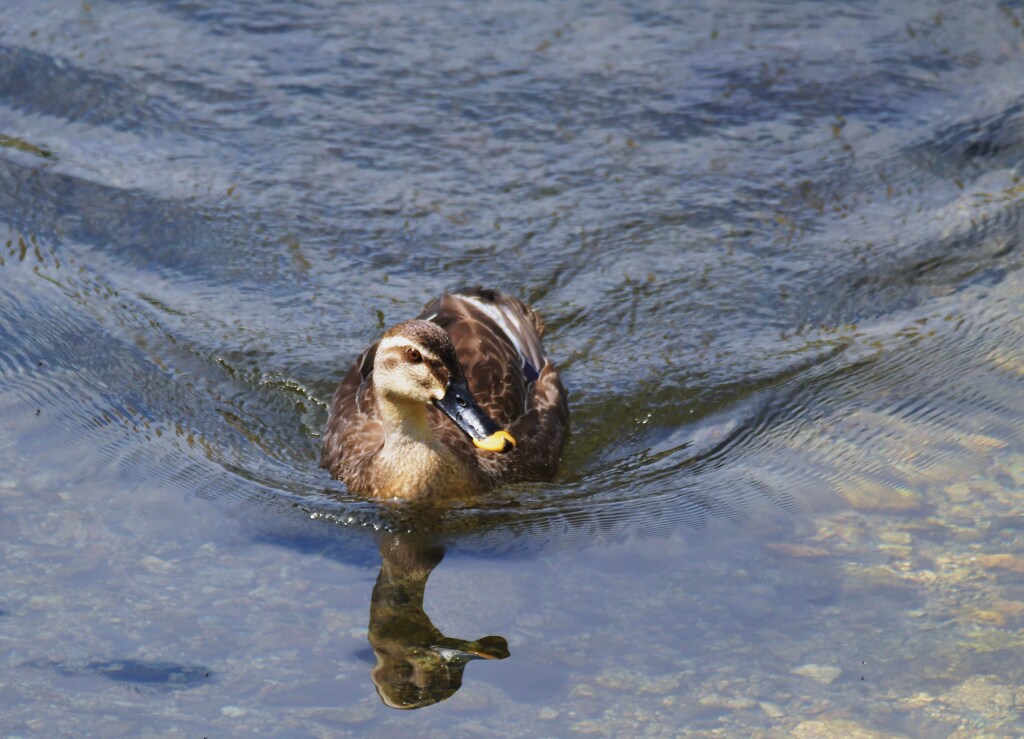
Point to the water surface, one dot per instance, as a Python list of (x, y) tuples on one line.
[(778, 250)]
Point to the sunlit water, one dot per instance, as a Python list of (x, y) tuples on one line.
[(778, 250)]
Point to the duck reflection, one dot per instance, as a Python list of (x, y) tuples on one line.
[(417, 665)]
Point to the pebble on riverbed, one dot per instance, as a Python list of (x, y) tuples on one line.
[(824, 674)]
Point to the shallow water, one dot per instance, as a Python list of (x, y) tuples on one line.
[(778, 250)]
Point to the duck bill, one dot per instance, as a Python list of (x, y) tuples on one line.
[(458, 404)]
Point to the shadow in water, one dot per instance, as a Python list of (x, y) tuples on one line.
[(141, 674), (416, 665)]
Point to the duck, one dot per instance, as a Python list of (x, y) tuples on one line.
[(450, 404)]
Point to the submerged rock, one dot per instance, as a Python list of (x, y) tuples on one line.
[(837, 729), (771, 709), (824, 674), (870, 495), (985, 696), (1012, 562)]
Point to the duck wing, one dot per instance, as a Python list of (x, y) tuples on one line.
[(497, 339)]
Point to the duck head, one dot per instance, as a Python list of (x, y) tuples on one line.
[(416, 364)]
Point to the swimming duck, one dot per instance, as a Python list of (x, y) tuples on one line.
[(449, 404)]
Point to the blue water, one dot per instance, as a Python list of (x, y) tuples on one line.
[(778, 250)]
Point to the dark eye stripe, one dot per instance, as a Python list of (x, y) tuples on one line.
[(438, 370)]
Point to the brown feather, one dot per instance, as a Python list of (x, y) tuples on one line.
[(491, 335)]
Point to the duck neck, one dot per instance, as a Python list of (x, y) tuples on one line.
[(412, 463), (405, 423)]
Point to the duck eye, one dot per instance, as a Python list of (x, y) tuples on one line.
[(413, 356)]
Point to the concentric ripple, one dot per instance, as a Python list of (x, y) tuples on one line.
[(776, 282)]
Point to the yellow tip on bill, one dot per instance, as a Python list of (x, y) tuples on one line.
[(499, 441)]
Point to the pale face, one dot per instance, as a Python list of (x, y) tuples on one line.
[(406, 370)]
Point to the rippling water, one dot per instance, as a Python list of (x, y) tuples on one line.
[(778, 250)]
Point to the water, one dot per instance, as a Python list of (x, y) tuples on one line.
[(778, 250)]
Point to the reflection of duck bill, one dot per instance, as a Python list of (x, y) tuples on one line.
[(489, 647)]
